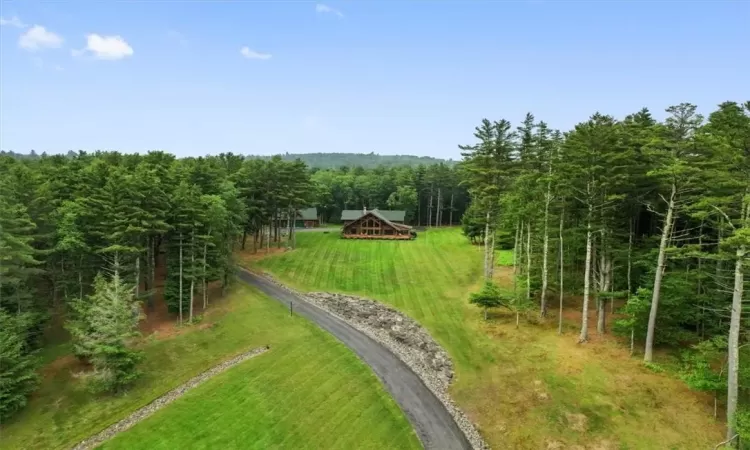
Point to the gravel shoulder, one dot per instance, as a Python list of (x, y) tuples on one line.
[(417, 386)]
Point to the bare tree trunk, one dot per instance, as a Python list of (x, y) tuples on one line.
[(290, 223), (700, 276), (487, 274), (630, 283), (419, 208), (611, 284), (429, 211), (545, 251), (192, 274), (450, 213), (520, 253), (205, 285), (734, 335), (584, 336), (733, 364), (660, 267), (437, 207), (630, 259), (180, 306), (600, 289), (528, 260), (155, 257), (562, 273), (147, 287), (137, 274), (604, 268), (515, 251), (492, 255)]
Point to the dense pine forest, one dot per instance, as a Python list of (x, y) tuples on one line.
[(653, 216), (83, 237), (645, 222)]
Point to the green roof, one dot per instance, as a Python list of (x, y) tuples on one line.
[(308, 213), (392, 215)]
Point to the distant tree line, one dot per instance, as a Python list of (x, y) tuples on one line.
[(318, 160), (656, 214), (363, 160), (431, 195)]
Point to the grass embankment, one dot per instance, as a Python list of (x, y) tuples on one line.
[(309, 391), (527, 388)]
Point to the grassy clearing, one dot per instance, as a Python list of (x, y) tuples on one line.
[(527, 388), (308, 391)]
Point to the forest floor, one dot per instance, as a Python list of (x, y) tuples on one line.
[(308, 391), (526, 387)]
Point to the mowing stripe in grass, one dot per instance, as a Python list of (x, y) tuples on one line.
[(165, 399)]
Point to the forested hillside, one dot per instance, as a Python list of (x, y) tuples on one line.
[(365, 160), (323, 160), (653, 215)]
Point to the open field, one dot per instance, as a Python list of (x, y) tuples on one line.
[(309, 391), (527, 388)]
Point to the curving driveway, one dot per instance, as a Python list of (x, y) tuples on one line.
[(429, 417)]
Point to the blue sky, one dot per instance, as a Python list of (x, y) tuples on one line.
[(393, 77)]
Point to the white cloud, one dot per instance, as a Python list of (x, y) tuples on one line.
[(325, 9), (252, 54), (105, 47), (37, 38), (12, 22)]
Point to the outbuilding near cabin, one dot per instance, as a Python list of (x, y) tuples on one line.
[(305, 218)]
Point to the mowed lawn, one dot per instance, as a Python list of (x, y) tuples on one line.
[(308, 391), (527, 388)]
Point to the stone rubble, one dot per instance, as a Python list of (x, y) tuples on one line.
[(165, 399), (402, 336)]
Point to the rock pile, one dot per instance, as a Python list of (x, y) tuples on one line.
[(405, 338)]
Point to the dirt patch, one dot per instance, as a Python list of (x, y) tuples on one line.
[(577, 422), (158, 321), (68, 363), (503, 276)]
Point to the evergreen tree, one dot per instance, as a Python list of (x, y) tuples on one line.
[(18, 377), (103, 330)]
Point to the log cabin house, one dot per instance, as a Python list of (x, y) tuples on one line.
[(375, 224)]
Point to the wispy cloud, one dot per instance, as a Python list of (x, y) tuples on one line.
[(105, 47), (12, 22), (178, 37), (252, 54), (38, 38), (325, 9)]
